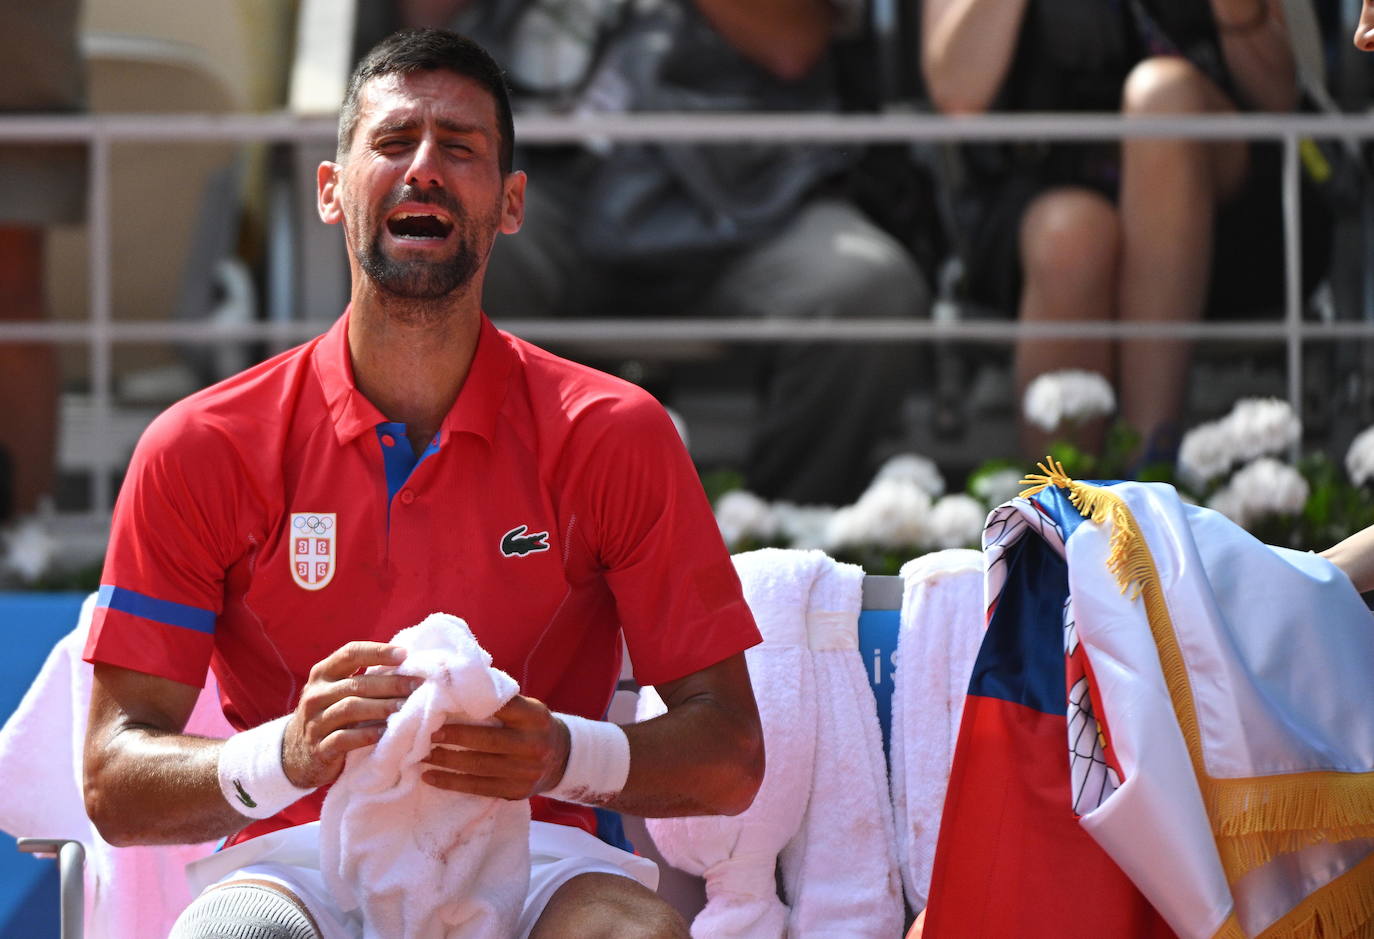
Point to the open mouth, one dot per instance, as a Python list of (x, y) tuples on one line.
[(418, 226)]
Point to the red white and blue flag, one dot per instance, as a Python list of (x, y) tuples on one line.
[(1155, 741)]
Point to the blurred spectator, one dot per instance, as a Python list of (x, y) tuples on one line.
[(40, 71), (739, 230), (1150, 230)]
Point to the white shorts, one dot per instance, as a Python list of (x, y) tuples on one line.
[(291, 858)]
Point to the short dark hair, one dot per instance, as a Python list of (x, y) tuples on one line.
[(427, 50)]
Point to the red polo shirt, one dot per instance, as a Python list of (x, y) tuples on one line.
[(270, 518)]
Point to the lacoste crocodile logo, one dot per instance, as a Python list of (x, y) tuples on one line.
[(243, 795), (516, 544)]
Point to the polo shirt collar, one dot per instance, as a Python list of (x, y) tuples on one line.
[(484, 390), (479, 401)]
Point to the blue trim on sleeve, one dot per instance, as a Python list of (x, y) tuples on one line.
[(166, 612)]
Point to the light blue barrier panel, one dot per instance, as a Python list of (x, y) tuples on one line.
[(30, 625)]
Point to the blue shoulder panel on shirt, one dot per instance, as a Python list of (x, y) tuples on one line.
[(167, 612)]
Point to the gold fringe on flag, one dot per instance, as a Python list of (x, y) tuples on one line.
[(1230, 929), (1342, 908)]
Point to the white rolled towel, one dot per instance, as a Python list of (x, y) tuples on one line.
[(840, 872), (737, 855), (942, 626), (422, 862)]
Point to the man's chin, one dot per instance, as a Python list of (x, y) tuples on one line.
[(417, 281)]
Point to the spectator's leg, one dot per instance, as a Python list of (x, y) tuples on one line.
[(827, 404), (1169, 193), (608, 906), (28, 375), (1070, 247)]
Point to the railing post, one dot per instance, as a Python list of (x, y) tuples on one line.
[(1292, 272), (101, 338)]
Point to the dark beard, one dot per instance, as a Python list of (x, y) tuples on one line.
[(420, 280), (423, 280)]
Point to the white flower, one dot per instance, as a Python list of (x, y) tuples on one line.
[(1069, 394), (1359, 459), (1260, 426), (743, 516), (998, 487), (29, 549), (1227, 501), (956, 521), (1254, 427), (892, 513), (1259, 489), (913, 468), (804, 526), (1206, 452)]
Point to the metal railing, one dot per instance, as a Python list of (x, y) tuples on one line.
[(101, 132)]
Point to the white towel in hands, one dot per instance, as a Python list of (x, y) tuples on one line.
[(738, 854), (942, 626), (840, 872), (422, 862)]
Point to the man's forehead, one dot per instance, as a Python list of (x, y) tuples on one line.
[(414, 97)]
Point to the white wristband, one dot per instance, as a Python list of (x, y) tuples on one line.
[(598, 761), (250, 771)]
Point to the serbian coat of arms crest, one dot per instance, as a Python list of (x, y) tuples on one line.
[(313, 553)]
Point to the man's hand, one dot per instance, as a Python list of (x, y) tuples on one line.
[(522, 757), (341, 710)]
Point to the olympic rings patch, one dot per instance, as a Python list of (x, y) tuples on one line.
[(313, 550)]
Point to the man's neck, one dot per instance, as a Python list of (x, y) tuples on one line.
[(410, 358)]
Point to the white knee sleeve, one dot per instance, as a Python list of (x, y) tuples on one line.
[(243, 911)]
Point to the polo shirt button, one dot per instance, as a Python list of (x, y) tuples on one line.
[(407, 496), (388, 440)]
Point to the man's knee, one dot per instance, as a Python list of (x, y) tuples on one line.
[(608, 906), (244, 911)]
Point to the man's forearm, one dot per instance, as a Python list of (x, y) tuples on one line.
[(147, 782), (698, 759), (151, 786)]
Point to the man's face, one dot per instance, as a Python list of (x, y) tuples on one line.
[(420, 194)]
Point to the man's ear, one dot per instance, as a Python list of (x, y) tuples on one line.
[(328, 190), (513, 202)]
